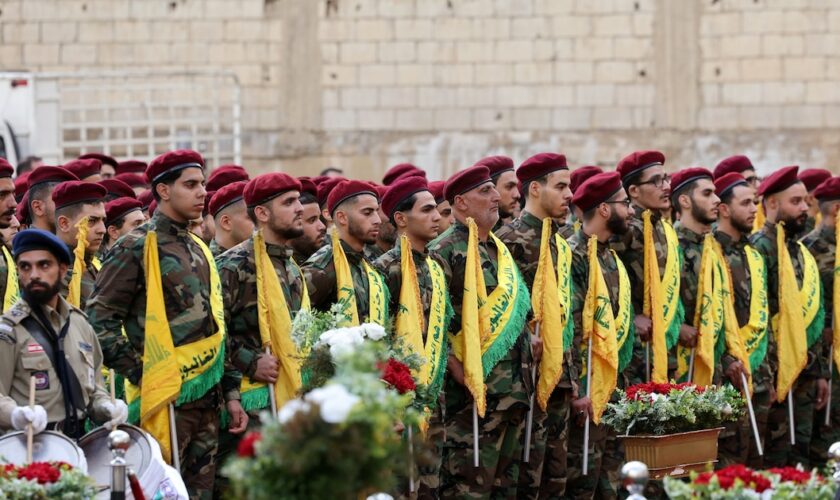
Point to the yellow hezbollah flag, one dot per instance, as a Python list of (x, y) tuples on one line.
[(835, 341), (74, 292), (599, 331), (654, 304), (12, 287), (732, 332), (475, 322), (760, 218), (791, 340), (706, 315), (346, 291)]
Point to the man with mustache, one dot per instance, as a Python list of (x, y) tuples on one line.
[(8, 206), (504, 179), (787, 212), (387, 236), (314, 229), (233, 226)]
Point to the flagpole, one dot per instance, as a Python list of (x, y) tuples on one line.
[(475, 435), (588, 394), (647, 360), (271, 396), (790, 417), (410, 460), (746, 388), (529, 425), (691, 365), (830, 376), (173, 439)]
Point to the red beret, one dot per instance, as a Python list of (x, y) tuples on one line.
[(540, 165), (146, 198), (596, 190), (208, 197), (737, 163), (828, 189), (580, 174), (726, 182), (400, 191), (72, 192), (635, 163), (173, 161), (436, 187), (686, 176), (6, 168), (380, 189), (133, 180), (307, 186), (226, 197), (152, 207), (22, 184), (84, 168), (104, 159), (22, 210), (402, 170), (50, 174), (465, 180), (131, 167), (496, 165), (346, 190), (118, 188), (263, 188), (778, 181), (224, 175), (120, 207), (325, 187), (813, 177), (318, 179)]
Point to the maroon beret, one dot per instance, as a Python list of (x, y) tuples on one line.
[(308, 187), (152, 207), (346, 190), (778, 181), (828, 189), (83, 168), (726, 182), (173, 161), (635, 163), (22, 210), (737, 164), (118, 188), (380, 189), (22, 184), (400, 191), (226, 197), (496, 165), (104, 159), (318, 179), (208, 197), (146, 198), (133, 180), (402, 170), (6, 168), (263, 188), (50, 174), (596, 190), (131, 167), (120, 207), (72, 192), (580, 174), (436, 187), (465, 180), (540, 165), (813, 177), (325, 187), (686, 176), (224, 175)]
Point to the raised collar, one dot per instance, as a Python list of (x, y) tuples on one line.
[(165, 225), (531, 220), (827, 234), (687, 234), (352, 255), (282, 251), (655, 215), (726, 241)]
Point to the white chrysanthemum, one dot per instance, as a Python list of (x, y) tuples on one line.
[(335, 401), (373, 331), (290, 409), (380, 496)]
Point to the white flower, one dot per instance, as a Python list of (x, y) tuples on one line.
[(373, 331), (380, 496), (656, 397), (335, 402), (291, 409), (342, 341)]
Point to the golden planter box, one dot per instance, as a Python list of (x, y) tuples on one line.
[(673, 455)]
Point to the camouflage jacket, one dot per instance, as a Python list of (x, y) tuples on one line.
[(508, 384), (119, 299), (822, 242), (4, 275), (216, 249), (238, 273), (389, 265), (567, 230), (523, 237), (87, 284), (373, 252), (691, 245), (764, 241)]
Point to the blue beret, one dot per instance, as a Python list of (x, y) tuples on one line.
[(38, 239)]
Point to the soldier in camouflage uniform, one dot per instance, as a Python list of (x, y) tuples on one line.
[(118, 305), (811, 178), (42, 181), (822, 243), (472, 194), (314, 229), (504, 178), (7, 213), (443, 207), (233, 226), (784, 201), (545, 180), (122, 215), (605, 212)]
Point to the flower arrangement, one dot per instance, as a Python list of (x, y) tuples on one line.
[(660, 409), (740, 482), (41, 480)]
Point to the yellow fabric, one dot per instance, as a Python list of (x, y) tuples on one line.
[(12, 287), (789, 324), (835, 319), (760, 217), (502, 300), (732, 333), (96, 263), (623, 317), (809, 292), (549, 313), (599, 327), (708, 315), (74, 290), (346, 290), (818, 219), (753, 333)]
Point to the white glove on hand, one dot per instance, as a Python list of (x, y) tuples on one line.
[(117, 411), (24, 415)]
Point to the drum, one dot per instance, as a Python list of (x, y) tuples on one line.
[(138, 457), (46, 447)]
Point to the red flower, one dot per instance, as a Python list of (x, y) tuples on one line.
[(791, 474), (398, 376), (728, 475), (246, 446), (43, 472), (636, 392)]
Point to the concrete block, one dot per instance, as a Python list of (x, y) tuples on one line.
[(728, 23), (436, 52), (205, 30), (453, 29), (635, 94), (358, 52), (514, 7), (57, 32), (514, 50), (588, 49), (397, 8), (572, 118), (413, 29), (516, 95), (741, 93), (615, 72), (475, 97), (710, 93), (574, 71), (38, 54), (436, 97), (336, 75), (493, 74), (474, 51), (552, 7), (492, 28), (783, 45), (11, 56), (573, 26), (339, 119), (329, 53), (740, 46), (555, 95), (397, 97), (718, 118), (612, 118), (378, 74), (415, 74), (397, 51), (783, 92), (527, 73), (612, 25), (531, 28), (762, 70), (804, 68), (25, 33), (380, 119), (768, 21), (760, 117), (491, 119), (415, 119), (453, 119), (532, 119), (355, 98), (374, 29), (822, 93), (472, 8), (599, 94), (97, 32), (336, 30), (803, 116), (454, 74), (632, 48), (80, 54)]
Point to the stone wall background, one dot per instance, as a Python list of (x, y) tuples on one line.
[(364, 84)]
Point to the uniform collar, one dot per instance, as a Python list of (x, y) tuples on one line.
[(584, 238), (655, 215), (726, 241), (282, 251), (164, 224), (352, 255), (688, 234), (827, 234), (531, 220)]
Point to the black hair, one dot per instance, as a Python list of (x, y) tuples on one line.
[(307, 198), (327, 170), (526, 187), (688, 189), (169, 179), (404, 206)]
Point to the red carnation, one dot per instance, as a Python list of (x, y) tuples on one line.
[(43, 472), (791, 474), (398, 376), (246, 446)]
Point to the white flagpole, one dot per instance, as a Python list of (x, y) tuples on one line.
[(647, 360), (271, 396), (830, 376), (691, 365), (790, 417), (752, 415), (410, 460), (475, 435), (529, 424), (173, 439), (588, 394)]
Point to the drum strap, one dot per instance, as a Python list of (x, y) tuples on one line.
[(43, 332)]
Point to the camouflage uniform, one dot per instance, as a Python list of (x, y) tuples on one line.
[(4, 275), (119, 302), (778, 451), (736, 442), (605, 453), (373, 252), (216, 249), (87, 283), (508, 391), (567, 230), (548, 452), (822, 243), (319, 271)]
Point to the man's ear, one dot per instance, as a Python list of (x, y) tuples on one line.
[(163, 191), (225, 222), (401, 221), (62, 222), (113, 233), (37, 207)]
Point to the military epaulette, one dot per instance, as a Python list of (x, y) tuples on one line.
[(17, 312), (7, 331), (73, 309)]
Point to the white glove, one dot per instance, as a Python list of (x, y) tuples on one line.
[(117, 412), (24, 415)]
